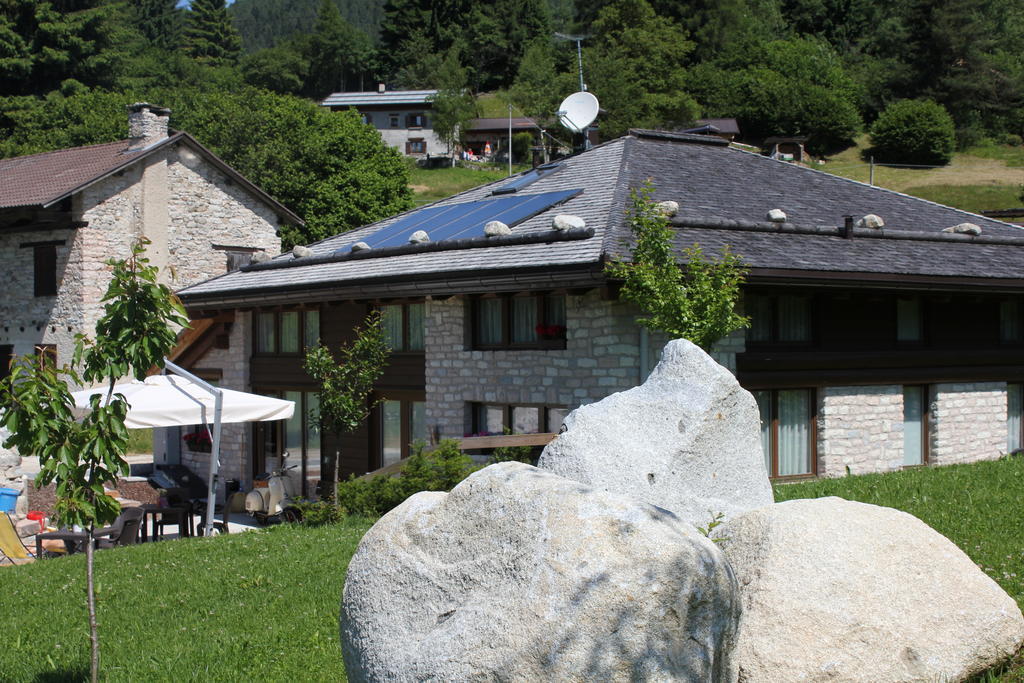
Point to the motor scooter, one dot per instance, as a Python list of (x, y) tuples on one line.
[(275, 501)]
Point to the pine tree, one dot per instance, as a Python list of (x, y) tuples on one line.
[(335, 50), (210, 36), (160, 21)]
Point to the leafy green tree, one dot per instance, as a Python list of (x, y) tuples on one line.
[(914, 132), (281, 69), (405, 21), (539, 87), (346, 384), (161, 22), (783, 87), (134, 334), (696, 301), (497, 35), (453, 105), (209, 35), (420, 64), (637, 69)]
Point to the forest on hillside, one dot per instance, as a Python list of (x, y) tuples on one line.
[(245, 78)]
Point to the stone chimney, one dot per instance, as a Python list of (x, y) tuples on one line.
[(381, 88), (147, 124)]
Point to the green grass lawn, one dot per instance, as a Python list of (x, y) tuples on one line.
[(429, 185), (256, 606), (974, 198), (264, 605)]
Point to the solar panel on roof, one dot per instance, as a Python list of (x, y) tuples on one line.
[(528, 178), (462, 221)]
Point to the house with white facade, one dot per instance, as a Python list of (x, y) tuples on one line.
[(403, 117), (887, 331), (63, 214)]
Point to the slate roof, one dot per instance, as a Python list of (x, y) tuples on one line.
[(388, 97), (45, 179), (724, 194)]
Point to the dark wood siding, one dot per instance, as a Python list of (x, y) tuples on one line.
[(855, 342)]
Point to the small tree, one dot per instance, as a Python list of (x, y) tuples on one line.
[(696, 301), (453, 105), (914, 132), (347, 383), (133, 335)]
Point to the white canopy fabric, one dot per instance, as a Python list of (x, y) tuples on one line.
[(171, 401), (184, 399)]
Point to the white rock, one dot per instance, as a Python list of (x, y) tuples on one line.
[(837, 590), (688, 440), (359, 246), (964, 229), (667, 208), (419, 237), (564, 221), (299, 251), (260, 257), (871, 221), (9, 458), (519, 575), (496, 229), (776, 216)]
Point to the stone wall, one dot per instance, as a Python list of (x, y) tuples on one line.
[(602, 356), (397, 137), (860, 428), (182, 203), (235, 438), (968, 422)]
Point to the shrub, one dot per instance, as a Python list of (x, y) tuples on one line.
[(521, 143), (1013, 140), (914, 132), (438, 470), (318, 513)]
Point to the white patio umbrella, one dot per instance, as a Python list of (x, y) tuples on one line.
[(171, 401)]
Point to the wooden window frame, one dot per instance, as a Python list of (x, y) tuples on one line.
[(44, 270), (774, 334), (406, 399), (412, 143), (921, 322), (812, 417), (926, 418), (1019, 305), (277, 352), (420, 119), (507, 409), (406, 336), (277, 428), (507, 321), (394, 121)]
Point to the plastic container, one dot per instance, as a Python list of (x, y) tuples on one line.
[(37, 516), (8, 500)]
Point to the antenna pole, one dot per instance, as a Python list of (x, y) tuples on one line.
[(510, 138), (579, 60)]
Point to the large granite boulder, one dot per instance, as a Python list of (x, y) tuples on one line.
[(688, 440), (838, 590), (518, 574)]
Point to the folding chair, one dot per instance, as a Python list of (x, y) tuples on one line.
[(12, 548)]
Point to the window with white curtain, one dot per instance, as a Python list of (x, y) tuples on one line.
[(532, 321), (403, 326), (915, 425), (1014, 411), (786, 431), (402, 423), (780, 319)]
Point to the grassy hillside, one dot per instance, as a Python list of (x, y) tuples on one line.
[(429, 185), (980, 179)]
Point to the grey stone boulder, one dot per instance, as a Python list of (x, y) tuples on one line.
[(688, 440), (844, 591), (520, 575), (565, 221)]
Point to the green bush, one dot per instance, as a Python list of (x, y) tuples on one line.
[(318, 512), (913, 132), (521, 143), (438, 470), (1013, 140)]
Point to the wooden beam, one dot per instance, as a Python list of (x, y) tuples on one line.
[(499, 441)]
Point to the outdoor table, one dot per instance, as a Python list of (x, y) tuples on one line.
[(153, 509), (74, 539)]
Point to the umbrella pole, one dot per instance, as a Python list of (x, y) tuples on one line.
[(211, 495)]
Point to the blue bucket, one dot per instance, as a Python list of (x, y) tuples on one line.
[(8, 499)]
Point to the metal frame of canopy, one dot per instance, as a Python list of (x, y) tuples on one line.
[(161, 411)]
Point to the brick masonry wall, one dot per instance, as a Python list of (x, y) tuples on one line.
[(860, 428), (602, 356), (235, 438), (968, 422)]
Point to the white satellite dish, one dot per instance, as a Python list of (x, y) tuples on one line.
[(578, 111)]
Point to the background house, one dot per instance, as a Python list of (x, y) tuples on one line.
[(401, 116), (856, 354), (63, 214)]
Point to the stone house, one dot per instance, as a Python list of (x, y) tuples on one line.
[(872, 347), (64, 213), (401, 116)]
